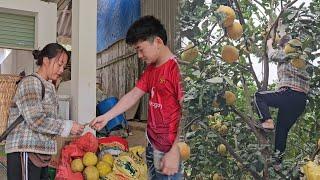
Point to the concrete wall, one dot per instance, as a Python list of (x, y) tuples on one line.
[(45, 13), (18, 61), (46, 25), (83, 68), (8, 66)]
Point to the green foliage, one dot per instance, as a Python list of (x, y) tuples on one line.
[(207, 77)]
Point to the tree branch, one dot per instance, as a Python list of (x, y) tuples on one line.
[(191, 122), (261, 5), (247, 96), (196, 118), (265, 80), (247, 120), (187, 64), (219, 40), (314, 154), (265, 153), (253, 72), (183, 50), (209, 34), (242, 22), (243, 66), (265, 58), (260, 134), (236, 157), (281, 175)]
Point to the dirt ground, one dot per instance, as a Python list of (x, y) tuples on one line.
[(137, 135)]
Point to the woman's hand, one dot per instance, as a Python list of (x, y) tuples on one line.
[(77, 129)]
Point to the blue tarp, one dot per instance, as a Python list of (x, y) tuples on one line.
[(113, 20)]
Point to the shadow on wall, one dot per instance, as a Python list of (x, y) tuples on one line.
[(16, 61), (4, 54)]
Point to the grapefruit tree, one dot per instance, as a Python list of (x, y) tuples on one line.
[(222, 43)]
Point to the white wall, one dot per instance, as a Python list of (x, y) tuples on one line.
[(18, 61), (84, 54), (45, 32), (8, 65), (45, 13)]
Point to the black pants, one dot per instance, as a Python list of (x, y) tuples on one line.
[(16, 166), (290, 104)]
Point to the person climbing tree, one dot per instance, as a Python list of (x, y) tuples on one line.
[(289, 97)]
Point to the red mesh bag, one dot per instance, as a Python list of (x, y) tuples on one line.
[(64, 171), (88, 142), (76, 149)]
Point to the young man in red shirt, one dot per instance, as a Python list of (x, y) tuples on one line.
[(161, 79)]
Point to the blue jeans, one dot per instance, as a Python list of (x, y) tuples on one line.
[(153, 157)]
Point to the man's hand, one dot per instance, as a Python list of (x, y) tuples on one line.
[(98, 123), (77, 129), (170, 161)]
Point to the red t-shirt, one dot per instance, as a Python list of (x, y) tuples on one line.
[(163, 83)]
